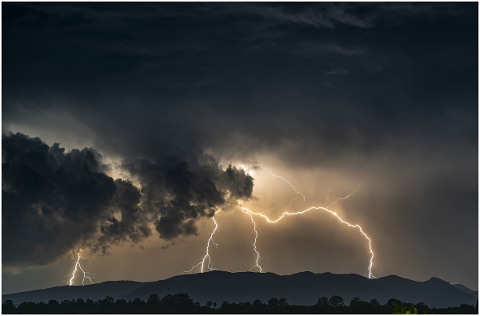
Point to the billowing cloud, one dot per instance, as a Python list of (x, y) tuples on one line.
[(52, 201), (183, 193), (56, 201)]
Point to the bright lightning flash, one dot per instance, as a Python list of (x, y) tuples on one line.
[(286, 213), (262, 214), (86, 275), (370, 275), (255, 243), (207, 254)]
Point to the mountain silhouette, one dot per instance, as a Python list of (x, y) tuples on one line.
[(300, 289), (466, 290), (92, 291)]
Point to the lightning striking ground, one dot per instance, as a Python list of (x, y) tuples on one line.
[(255, 244), (245, 210), (85, 273), (207, 251), (370, 275)]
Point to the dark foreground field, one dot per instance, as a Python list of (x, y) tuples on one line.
[(183, 304)]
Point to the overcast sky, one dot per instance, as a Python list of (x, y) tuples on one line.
[(126, 127)]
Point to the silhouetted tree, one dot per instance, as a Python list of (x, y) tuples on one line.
[(273, 302), (391, 304), (323, 302), (226, 307), (26, 308), (282, 303), (53, 303), (80, 303), (121, 306), (106, 303), (354, 302), (183, 300), (183, 304), (243, 307), (404, 308), (153, 299), (137, 303), (336, 301), (421, 307), (41, 307), (8, 307), (257, 305)]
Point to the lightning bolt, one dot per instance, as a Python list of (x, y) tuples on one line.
[(370, 275), (255, 243), (286, 213), (207, 254), (250, 213), (293, 187), (345, 197), (85, 273), (261, 183), (75, 270), (255, 224)]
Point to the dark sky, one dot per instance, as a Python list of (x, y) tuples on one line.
[(127, 126)]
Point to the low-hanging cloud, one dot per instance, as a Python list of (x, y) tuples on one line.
[(183, 194), (56, 201)]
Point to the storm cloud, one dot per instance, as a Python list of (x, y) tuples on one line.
[(52, 201), (55, 202)]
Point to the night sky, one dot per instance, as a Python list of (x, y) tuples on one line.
[(126, 127)]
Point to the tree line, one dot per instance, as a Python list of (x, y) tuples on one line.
[(184, 304)]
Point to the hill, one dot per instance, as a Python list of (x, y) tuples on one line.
[(65, 292), (301, 289), (466, 290)]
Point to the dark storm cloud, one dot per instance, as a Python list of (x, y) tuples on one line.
[(184, 194), (190, 71), (55, 202), (133, 225), (52, 201)]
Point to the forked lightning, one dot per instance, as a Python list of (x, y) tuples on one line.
[(207, 254), (370, 275), (85, 273), (286, 213)]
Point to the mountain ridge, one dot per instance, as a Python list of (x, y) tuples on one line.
[(302, 288)]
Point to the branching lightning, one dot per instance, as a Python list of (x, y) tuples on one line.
[(293, 187), (86, 274), (345, 197), (370, 275), (207, 251), (286, 213), (257, 178)]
